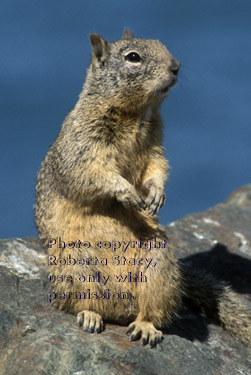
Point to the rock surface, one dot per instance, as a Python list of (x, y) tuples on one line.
[(36, 339)]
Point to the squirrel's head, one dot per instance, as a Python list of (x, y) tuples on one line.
[(131, 69)]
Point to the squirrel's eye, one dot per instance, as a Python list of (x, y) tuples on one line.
[(133, 57)]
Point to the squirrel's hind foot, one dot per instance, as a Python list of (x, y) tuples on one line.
[(91, 321), (146, 331)]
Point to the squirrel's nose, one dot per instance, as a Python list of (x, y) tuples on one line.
[(174, 67)]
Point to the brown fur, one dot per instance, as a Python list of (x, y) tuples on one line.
[(103, 179)]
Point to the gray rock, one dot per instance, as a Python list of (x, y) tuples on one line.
[(35, 338)]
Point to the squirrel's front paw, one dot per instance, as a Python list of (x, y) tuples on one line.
[(146, 331), (129, 197), (156, 196)]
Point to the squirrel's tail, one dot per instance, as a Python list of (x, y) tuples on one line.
[(219, 301)]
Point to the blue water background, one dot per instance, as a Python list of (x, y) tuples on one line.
[(44, 54)]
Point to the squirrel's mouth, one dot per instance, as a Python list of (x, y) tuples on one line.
[(170, 84), (163, 90)]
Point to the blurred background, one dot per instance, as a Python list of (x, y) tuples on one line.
[(45, 52)]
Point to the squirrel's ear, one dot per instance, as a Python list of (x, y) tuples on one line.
[(99, 45), (127, 34)]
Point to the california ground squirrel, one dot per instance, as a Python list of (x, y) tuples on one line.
[(98, 191)]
